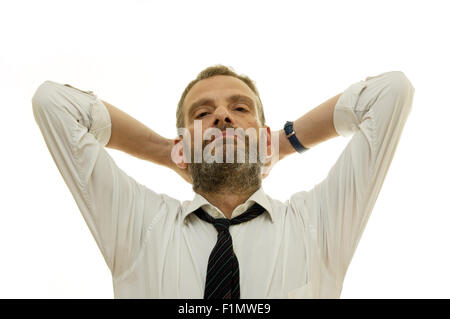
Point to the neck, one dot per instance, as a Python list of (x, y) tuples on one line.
[(227, 201)]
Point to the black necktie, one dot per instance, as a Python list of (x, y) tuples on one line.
[(222, 277)]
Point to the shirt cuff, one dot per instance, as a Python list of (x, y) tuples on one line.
[(101, 122), (345, 120)]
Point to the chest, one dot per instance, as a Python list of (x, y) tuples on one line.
[(271, 256)]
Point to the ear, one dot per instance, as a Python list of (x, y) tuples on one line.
[(268, 134), (178, 154)]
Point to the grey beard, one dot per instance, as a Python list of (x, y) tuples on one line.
[(235, 178)]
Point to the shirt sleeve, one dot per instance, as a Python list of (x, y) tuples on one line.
[(76, 126), (374, 111)]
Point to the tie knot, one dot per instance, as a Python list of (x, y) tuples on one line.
[(221, 224)]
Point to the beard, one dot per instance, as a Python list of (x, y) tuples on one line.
[(236, 177)]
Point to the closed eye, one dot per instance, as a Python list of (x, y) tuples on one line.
[(201, 115), (241, 109)]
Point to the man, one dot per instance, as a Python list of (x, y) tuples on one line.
[(232, 240)]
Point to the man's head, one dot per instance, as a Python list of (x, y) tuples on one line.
[(212, 71), (218, 99)]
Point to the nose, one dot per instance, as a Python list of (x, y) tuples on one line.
[(222, 117)]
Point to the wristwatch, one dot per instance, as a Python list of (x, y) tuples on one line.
[(290, 134)]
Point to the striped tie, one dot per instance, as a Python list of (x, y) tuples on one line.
[(222, 277)]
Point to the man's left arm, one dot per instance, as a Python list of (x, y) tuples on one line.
[(374, 111), (313, 128)]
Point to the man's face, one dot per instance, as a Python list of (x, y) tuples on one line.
[(221, 102)]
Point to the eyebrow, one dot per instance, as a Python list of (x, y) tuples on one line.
[(231, 99)]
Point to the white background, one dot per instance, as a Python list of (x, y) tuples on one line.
[(139, 56)]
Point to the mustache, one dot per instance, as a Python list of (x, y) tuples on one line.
[(223, 128), (236, 131)]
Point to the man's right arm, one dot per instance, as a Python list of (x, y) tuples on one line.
[(118, 210), (132, 137)]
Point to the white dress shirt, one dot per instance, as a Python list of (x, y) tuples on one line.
[(155, 247)]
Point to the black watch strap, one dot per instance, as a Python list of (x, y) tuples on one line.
[(290, 134)]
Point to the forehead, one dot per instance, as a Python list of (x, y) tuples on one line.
[(216, 87)]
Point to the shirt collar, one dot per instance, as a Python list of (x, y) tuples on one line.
[(258, 197)]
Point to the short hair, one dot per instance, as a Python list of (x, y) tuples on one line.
[(211, 71)]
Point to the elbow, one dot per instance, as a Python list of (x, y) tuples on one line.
[(400, 82), (42, 95), (43, 98), (400, 89)]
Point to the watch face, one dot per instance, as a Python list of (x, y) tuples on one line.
[(288, 127)]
